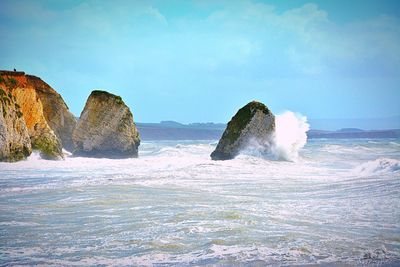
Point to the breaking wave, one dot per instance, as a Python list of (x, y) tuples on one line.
[(290, 135), (378, 166)]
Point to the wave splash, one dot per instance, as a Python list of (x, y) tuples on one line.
[(378, 166), (290, 135)]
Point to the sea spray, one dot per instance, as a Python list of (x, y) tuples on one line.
[(290, 135)]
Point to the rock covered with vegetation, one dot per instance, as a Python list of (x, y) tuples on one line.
[(46, 116), (15, 143), (106, 128), (253, 124)]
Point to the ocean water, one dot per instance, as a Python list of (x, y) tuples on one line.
[(338, 203)]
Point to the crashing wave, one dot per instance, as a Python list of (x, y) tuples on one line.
[(378, 166), (290, 136)]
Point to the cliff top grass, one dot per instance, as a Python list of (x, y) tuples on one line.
[(11, 73)]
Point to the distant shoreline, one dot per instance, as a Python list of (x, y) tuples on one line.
[(213, 131)]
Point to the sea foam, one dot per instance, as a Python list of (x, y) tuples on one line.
[(378, 166), (175, 206)]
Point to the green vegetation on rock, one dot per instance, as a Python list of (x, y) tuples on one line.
[(242, 118), (18, 154), (48, 147), (11, 83), (5, 99), (107, 95), (253, 122), (19, 114)]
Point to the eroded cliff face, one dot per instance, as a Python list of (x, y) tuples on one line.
[(45, 114), (253, 125), (55, 111), (106, 128), (15, 143)]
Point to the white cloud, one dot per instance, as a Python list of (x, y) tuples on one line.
[(236, 34), (309, 40), (156, 14)]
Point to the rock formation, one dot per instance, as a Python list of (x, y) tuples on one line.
[(44, 112), (253, 123), (56, 112), (15, 143), (106, 128)]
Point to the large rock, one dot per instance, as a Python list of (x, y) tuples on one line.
[(42, 108), (56, 112), (15, 143), (106, 128), (253, 125)]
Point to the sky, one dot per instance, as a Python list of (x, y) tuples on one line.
[(200, 61)]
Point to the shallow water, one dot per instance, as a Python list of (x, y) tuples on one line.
[(339, 203)]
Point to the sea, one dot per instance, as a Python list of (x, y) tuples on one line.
[(335, 203)]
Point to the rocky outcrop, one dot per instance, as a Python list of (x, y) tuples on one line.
[(56, 112), (106, 128), (15, 143), (43, 110), (253, 124)]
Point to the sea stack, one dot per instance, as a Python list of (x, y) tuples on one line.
[(252, 124), (46, 116), (106, 128), (15, 143)]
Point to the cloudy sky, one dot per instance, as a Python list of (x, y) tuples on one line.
[(199, 61)]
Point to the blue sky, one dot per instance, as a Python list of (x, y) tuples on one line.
[(199, 61)]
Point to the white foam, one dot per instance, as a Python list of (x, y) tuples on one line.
[(378, 166), (290, 135), (175, 206)]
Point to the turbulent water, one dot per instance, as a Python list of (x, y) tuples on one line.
[(338, 203)]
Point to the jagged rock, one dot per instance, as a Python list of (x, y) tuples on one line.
[(28, 92), (106, 128), (252, 124), (15, 143)]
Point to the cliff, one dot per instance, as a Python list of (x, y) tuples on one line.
[(105, 128), (15, 143), (56, 112), (45, 114)]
